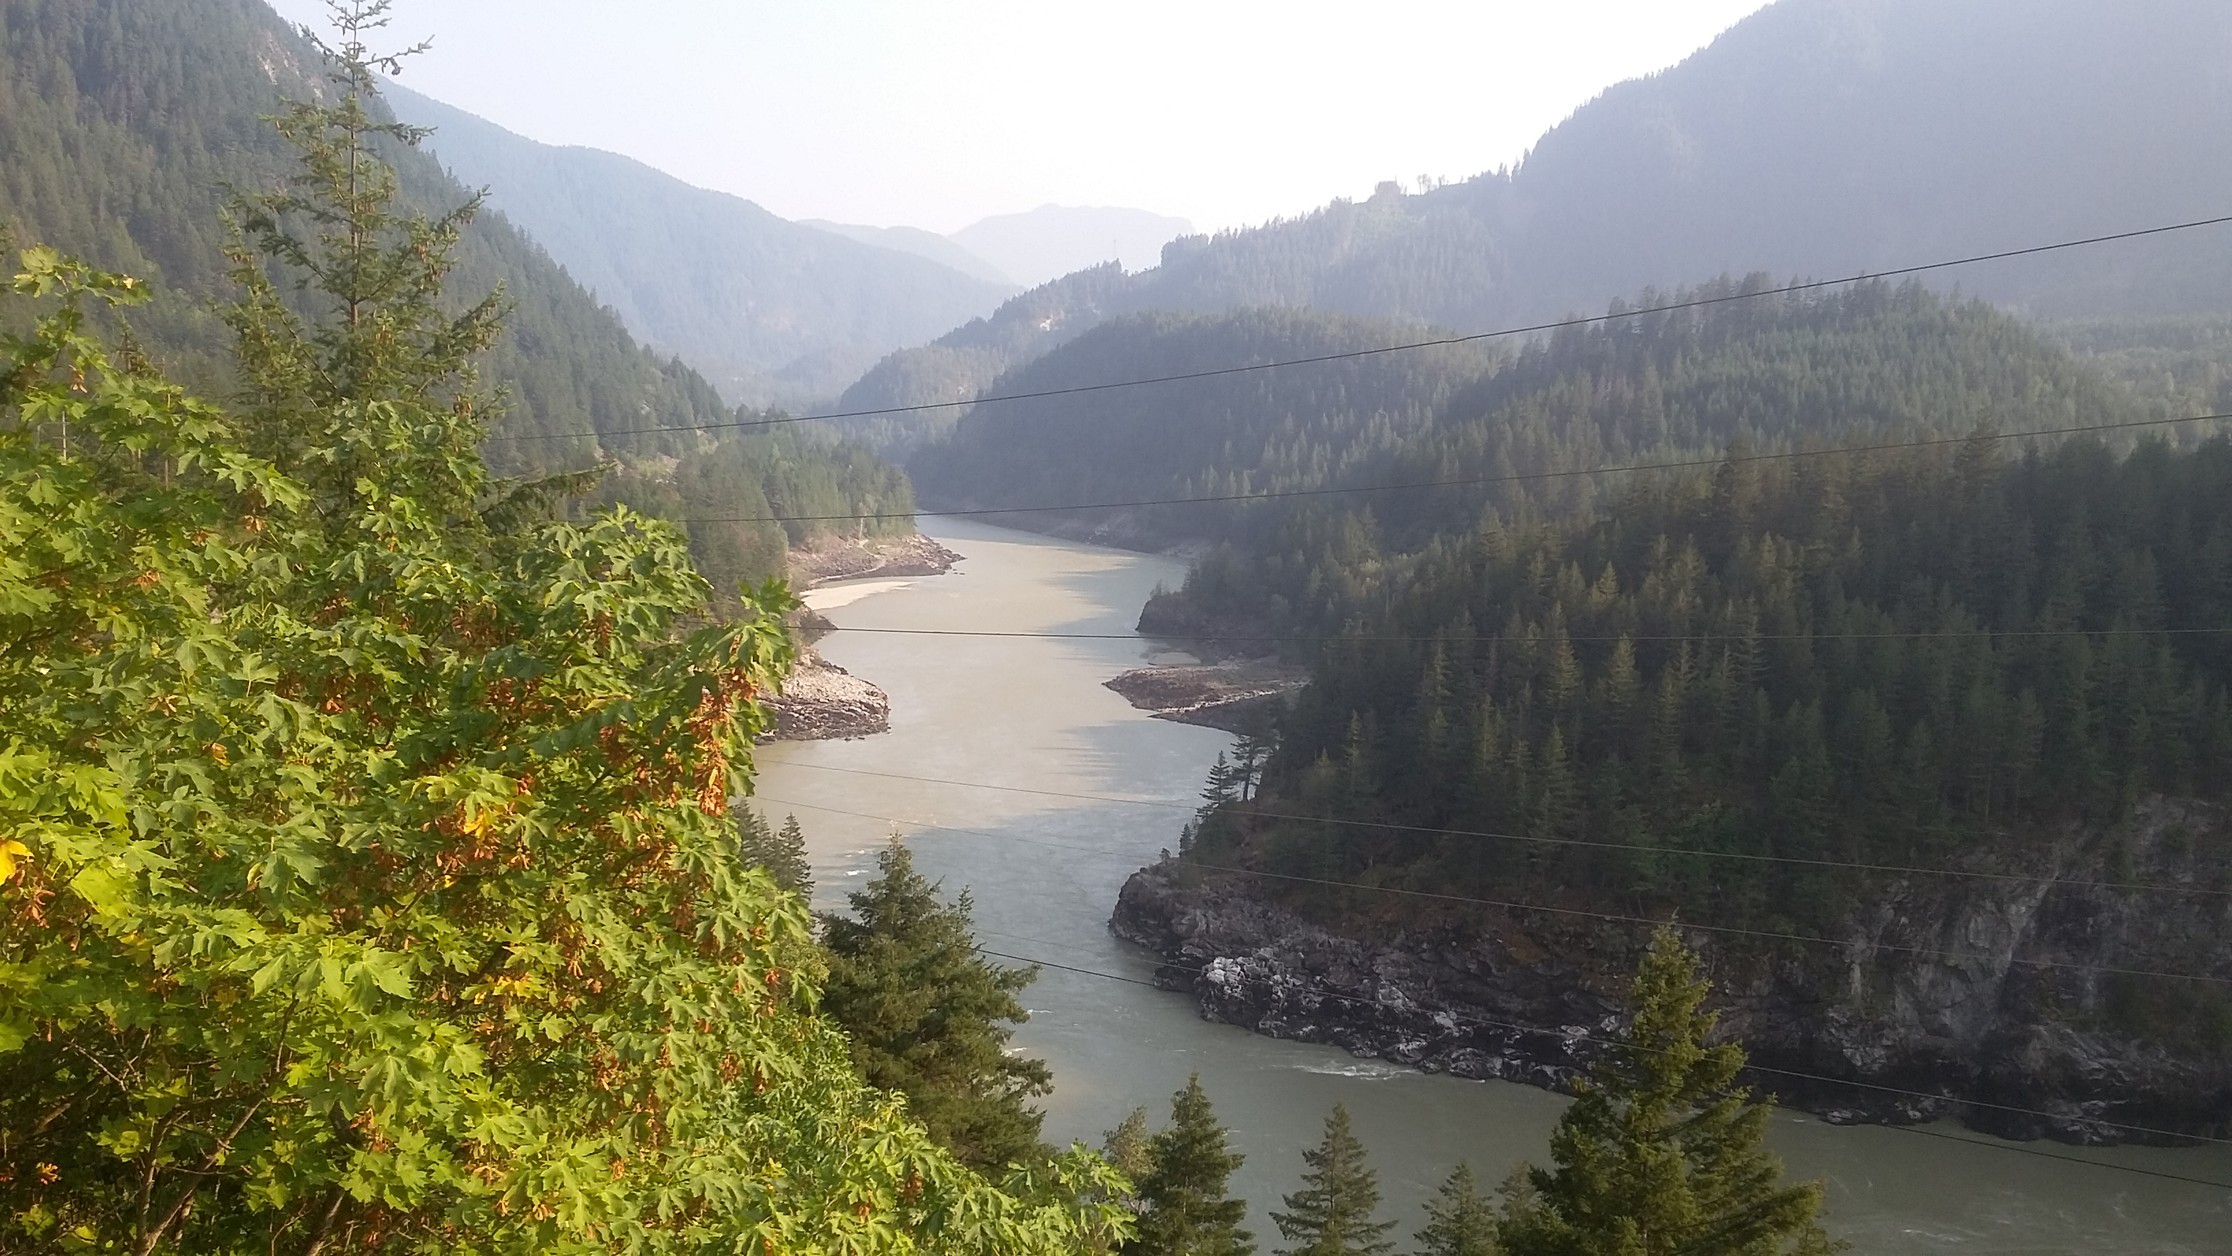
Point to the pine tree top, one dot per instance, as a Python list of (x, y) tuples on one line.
[(1333, 1213)]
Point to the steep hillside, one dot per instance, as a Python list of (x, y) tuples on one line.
[(1296, 428), (1773, 374), (124, 122), (1757, 700), (1830, 137), (770, 310), (1816, 138)]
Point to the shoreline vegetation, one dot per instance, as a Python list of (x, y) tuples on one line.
[(821, 701)]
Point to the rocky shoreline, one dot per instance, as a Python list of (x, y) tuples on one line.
[(1528, 1003), (883, 558), (1234, 697), (821, 701)]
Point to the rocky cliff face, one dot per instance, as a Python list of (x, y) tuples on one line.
[(2008, 993)]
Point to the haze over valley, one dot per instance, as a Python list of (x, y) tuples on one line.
[(836, 630)]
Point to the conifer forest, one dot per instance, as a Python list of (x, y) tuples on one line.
[(595, 659)]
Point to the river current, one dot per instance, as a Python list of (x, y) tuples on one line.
[(1002, 759)]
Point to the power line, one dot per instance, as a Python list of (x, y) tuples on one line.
[(1504, 905), (1600, 638), (1487, 1022), (1473, 481), (1810, 285), (1154, 985), (1921, 952), (1535, 839), (1562, 1035), (2048, 1155)]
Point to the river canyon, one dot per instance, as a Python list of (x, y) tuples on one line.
[(1017, 776)]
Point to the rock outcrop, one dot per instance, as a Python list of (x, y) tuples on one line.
[(2012, 996), (822, 701), (882, 558), (1235, 697)]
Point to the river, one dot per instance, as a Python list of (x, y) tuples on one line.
[(1011, 729)]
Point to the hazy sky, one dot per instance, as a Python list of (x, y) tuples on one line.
[(934, 113)]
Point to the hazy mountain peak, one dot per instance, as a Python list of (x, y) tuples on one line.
[(771, 310)]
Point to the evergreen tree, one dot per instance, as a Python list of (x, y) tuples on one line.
[(792, 869), (930, 1018), (1185, 1211), (1249, 756), (1662, 1152), (782, 854), (1223, 786), (1459, 1220), (1129, 1147), (1332, 1214)]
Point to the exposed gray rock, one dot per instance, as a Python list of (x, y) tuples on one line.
[(2021, 1020)]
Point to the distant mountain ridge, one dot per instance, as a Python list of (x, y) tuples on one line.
[(772, 311), (940, 249), (1816, 138), (123, 123), (1043, 244)]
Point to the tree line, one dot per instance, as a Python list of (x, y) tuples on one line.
[(1661, 1151)]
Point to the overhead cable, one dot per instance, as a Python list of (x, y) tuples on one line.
[(1920, 952), (1598, 638), (1810, 285), (1471, 481), (1539, 840)]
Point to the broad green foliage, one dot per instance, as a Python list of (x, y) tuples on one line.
[(370, 884), (1334, 1212), (1183, 1207), (1661, 1153), (929, 1017)]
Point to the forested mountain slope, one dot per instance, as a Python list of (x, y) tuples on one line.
[(123, 123), (1875, 361), (1816, 138), (771, 311), (1300, 427), (1930, 747)]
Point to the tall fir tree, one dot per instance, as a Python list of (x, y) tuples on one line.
[(1185, 1210), (1662, 1152), (1333, 1213), (782, 853), (930, 1018), (792, 869), (1460, 1221)]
